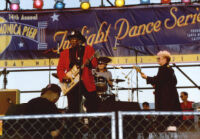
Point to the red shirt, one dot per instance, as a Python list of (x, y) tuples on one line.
[(187, 107), (87, 77)]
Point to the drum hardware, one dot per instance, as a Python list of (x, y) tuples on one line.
[(117, 80), (131, 95), (116, 87), (101, 84), (105, 97)]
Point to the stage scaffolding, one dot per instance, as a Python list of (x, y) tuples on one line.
[(5, 73)]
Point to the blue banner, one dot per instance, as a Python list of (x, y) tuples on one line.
[(117, 32)]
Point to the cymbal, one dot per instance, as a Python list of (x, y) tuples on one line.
[(117, 80), (55, 75)]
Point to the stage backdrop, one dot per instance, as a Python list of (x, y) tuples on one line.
[(35, 38)]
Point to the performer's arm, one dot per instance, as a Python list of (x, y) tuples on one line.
[(61, 68), (94, 60), (150, 80)]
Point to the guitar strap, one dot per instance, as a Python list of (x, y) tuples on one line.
[(74, 54)]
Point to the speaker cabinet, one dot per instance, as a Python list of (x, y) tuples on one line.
[(108, 106), (8, 97)]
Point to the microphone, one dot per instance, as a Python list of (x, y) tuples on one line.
[(115, 46)]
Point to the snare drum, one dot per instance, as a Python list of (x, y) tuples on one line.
[(101, 84)]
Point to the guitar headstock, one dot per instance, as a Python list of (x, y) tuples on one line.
[(137, 68), (97, 54)]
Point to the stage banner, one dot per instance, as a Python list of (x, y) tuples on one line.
[(36, 38)]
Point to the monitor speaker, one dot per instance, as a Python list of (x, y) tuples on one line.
[(126, 106), (8, 97), (109, 106)]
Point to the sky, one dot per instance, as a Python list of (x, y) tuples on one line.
[(37, 80)]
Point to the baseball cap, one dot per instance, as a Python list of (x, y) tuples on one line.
[(53, 87)]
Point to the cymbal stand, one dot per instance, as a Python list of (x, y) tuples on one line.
[(129, 93), (116, 91), (129, 85)]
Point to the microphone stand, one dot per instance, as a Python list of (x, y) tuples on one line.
[(136, 63), (5, 81), (80, 58)]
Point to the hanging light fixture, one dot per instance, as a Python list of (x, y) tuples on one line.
[(38, 4), (165, 1), (119, 3), (85, 4), (186, 1), (14, 6), (59, 4), (144, 1)]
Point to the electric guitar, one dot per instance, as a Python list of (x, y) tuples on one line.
[(67, 86)]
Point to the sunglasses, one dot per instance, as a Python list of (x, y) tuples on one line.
[(101, 63)]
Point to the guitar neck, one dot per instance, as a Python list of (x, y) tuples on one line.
[(138, 69), (88, 60)]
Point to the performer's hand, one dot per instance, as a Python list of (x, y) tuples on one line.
[(144, 76), (69, 76), (67, 79), (110, 82)]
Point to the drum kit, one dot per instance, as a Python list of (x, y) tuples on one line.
[(104, 90)]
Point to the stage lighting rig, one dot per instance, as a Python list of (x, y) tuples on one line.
[(38, 4), (165, 1), (59, 4), (144, 1), (119, 3), (85, 4), (14, 5), (186, 1)]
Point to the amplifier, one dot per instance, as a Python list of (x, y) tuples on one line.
[(8, 97)]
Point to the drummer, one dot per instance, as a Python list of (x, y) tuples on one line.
[(102, 71)]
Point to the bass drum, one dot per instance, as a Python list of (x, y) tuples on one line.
[(101, 84)]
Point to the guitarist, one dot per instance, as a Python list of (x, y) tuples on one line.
[(79, 54)]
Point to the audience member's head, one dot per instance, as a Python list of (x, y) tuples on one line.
[(145, 106), (51, 92), (184, 96)]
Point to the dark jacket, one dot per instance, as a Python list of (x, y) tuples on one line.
[(166, 95), (41, 105)]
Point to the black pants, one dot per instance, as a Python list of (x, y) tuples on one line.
[(74, 99)]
